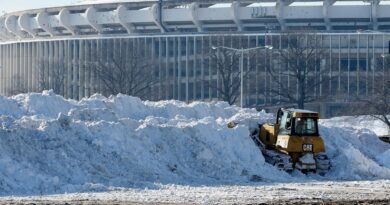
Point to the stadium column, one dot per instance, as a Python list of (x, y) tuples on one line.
[(280, 65), (46, 63), (29, 67), (322, 67), (2, 69), (358, 65), (339, 77), (194, 14), (156, 17), (374, 14), (81, 79), (69, 62), (12, 67), (160, 74), (54, 72), (167, 67), (7, 68), (64, 66), (123, 20), (34, 57), (64, 20), (94, 51), (51, 68), (36, 66), (280, 12), (202, 70), (330, 65), (383, 59), (39, 65), (18, 82), (179, 70), (187, 71), (149, 49), (175, 69), (256, 74), (367, 63), (15, 66), (325, 11), (248, 78), (75, 92), (235, 9), (373, 65), (194, 70), (349, 65), (99, 59), (218, 71), (288, 65), (25, 76), (210, 70), (265, 71), (20, 65), (87, 71)]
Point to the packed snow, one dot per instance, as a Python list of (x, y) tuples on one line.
[(330, 192), (50, 145)]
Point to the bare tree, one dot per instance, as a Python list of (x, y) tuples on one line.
[(226, 67), (52, 78), (17, 86), (298, 68), (131, 72), (377, 105)]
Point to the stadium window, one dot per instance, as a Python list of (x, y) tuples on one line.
[(353, 64)]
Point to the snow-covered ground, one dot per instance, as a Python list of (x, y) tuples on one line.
[(352, 191), (49, 145)]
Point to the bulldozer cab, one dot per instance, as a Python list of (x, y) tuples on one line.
[(297, 122)]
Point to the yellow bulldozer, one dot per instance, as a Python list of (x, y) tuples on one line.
[(293, 142)]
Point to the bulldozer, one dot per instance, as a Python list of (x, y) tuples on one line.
[(293, 142)]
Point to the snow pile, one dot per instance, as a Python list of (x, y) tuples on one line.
[(354, 148), (52, 145), (384, 159)]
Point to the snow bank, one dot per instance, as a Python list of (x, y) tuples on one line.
[(354, 148), (52, 145), (384, 159)]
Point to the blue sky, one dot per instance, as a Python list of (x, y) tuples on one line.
[(17, 5)]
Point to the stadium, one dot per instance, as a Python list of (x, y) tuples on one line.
[(57, 48)]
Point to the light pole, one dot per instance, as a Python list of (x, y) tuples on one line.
[(242, 51)]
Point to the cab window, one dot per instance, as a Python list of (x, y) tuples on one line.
[(305, 126), (285, 125)]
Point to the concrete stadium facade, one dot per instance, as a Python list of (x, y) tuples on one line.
[(63, 40)]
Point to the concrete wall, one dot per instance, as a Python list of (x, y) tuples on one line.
[(191, 17)]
